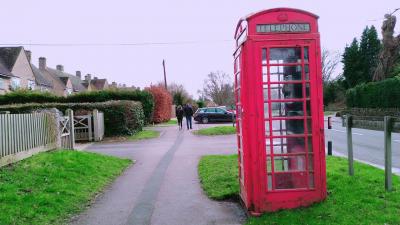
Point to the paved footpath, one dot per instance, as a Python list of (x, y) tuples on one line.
[(162, 187)]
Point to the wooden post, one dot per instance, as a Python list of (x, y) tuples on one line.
[(95, 125), (350, 145), (71, 127), (388, 153)]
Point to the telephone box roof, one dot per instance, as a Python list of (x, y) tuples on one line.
[(253, 15)]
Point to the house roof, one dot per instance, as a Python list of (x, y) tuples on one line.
[(41, 78), (9, 55), (99, 83), (76, 81)]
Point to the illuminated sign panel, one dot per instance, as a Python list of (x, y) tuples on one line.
[(284, 28)]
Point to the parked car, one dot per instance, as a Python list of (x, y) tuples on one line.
[(213, 114)]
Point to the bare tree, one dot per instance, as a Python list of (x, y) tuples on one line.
[(330, 61), (391, 47), (219, 88)]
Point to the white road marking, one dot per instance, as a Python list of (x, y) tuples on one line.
[(398, 141), (342, 131)]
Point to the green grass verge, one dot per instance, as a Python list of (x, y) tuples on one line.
[(352, 200), (172, 121), (329, 113), (220, 130), (50, 187), (144, 134), (219, 176)]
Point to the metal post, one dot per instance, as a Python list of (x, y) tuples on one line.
[(329, 142), (71, 126), (388, 152), (350, 145), (329, 147)]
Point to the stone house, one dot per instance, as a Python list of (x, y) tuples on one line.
[(15, 70)]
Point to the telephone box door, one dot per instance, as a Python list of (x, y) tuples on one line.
[(290, 120)]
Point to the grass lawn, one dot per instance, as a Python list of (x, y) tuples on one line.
[(329, 113), (220, 130), (172, 121), (352, 200), (144, 134), (50, 187)]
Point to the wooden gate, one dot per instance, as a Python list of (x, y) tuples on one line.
[(89, 127), (66, 128)]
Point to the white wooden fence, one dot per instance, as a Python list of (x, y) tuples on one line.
[(22, 135), (22, 132)]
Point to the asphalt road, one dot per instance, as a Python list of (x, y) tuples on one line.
[(368, 145)]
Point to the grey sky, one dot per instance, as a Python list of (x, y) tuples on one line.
[(207, 22)]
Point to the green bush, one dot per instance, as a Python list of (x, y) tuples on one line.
[(107, 95), (26, 96), (382, 94), (120, 117)]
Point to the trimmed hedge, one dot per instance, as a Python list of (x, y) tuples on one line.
[(382, 94), (163, 104), (25, 96), (120, 117)]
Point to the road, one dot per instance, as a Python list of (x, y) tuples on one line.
[(367, 144)]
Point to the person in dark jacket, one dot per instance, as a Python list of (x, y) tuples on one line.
[(188, 110), (179, 116)]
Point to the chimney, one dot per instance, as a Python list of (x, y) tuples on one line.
[(28, 55), (95, 78), (79, 74), (114, 84), (88, 77), (42, 63), (60, 68)]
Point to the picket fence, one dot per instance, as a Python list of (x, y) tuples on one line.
[(22, 135)]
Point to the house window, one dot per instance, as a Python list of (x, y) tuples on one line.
[(69, 91), (31, 85), (15, 83), (2, 83)]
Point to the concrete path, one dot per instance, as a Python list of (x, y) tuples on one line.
[(163, 186)]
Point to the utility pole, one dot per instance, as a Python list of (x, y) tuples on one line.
[(165, 75)]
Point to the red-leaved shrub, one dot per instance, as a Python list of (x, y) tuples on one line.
[(162, 104)]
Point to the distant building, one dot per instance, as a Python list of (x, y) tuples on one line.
[(95, 84), (61, 86), (15, 70)]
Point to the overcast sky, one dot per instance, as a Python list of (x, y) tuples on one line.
[(207, 24)]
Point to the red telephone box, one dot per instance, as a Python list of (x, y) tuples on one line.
[(278, 89)]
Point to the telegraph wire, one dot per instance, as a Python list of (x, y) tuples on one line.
[(117, 44)]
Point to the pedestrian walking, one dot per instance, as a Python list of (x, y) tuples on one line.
[(179, 115), (188, 110)]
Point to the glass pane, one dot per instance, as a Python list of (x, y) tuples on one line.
[(285, 55), (269, 182), (307, 72), (264, 56), (265, 91), (308, 107), (288, 145), (266, 108), (285, 73), (311, 180), (310, 162), (287, 109), (306, 55), (288, 127), (290, 163), (286, 91), (290, 180), (310, 144), (265, 74)]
